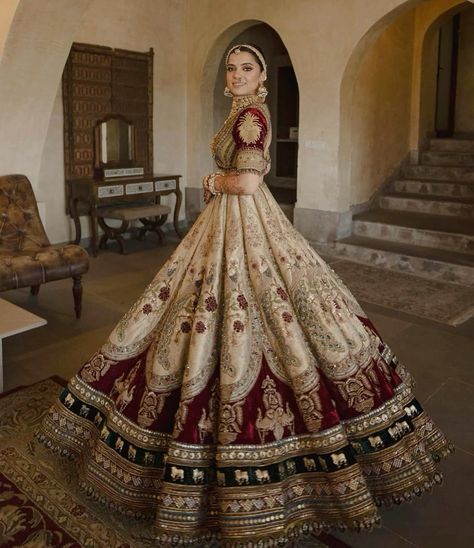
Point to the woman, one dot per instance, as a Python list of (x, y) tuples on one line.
[(246, 396)]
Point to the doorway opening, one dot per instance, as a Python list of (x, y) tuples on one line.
[(446, 77)]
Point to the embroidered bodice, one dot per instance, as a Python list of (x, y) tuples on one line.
[(243, 141)]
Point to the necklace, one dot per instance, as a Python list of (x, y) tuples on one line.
[(242, 101)]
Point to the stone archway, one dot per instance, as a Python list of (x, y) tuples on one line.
[(423, 16)]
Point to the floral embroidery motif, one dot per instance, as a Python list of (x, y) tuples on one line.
[(250, 128), (310, 407), (147, 309), (275, 418), (238, 326), (282, 293), (200, 327), (150, 407), (243, 304), (185, 327), (96, 368), (287, 317), (357, 392), (230, 421), (164, 293), (211, 303)]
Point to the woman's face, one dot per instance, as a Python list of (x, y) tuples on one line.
[(243, 74)]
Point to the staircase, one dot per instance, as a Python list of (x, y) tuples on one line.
[(424, 223)]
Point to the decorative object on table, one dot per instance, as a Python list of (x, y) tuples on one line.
[(27, 259)]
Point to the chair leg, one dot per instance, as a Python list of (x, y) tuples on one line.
[(77, 293), (35, 289)]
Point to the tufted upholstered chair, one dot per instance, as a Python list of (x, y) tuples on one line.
[(27, 259)]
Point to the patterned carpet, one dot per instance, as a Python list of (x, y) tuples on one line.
[(439, 301), (39, 505)]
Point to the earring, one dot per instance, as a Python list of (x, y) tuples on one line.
[(262, 91), (227, 92)]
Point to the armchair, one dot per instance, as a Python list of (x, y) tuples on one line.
[(27, 259)]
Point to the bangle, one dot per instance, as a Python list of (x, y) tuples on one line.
[(210, 183)]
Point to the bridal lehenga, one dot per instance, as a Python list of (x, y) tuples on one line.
[(246, 396)]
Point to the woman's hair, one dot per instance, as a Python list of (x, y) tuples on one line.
[(249, 50)]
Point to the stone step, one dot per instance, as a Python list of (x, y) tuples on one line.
[(447, 158), (434, 205), (439, 173), (435, 264), (434, 188), (449, 233), (455, 145)]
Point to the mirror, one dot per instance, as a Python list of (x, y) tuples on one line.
[(114, 142)]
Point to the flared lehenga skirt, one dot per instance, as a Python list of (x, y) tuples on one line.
[(246, 396)]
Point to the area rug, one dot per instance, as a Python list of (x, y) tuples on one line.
[(438, 301), (40, 506)]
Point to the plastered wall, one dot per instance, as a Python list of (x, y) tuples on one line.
[(380, 114), (464, 114)]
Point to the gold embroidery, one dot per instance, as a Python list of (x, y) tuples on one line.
[(230, 421), (275, 419), (310, 407), (208, 422), (150, 407), (123, 389), (250, 128), (356, 391), (96, 368)]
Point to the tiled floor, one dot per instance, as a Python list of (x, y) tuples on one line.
[(440, 357)]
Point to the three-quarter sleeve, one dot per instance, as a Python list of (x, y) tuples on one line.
[(249, 132)]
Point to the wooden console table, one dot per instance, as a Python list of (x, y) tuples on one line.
[(14, 320), (86, 196)]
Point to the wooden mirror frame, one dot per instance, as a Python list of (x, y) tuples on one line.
[(99, 164)]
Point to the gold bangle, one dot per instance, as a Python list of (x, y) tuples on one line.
[(211, 183)]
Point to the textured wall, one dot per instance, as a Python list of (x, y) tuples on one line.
[(381, 109)]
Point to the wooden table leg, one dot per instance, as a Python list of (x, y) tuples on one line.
[(75, 218), (177, 207), (94, 233)]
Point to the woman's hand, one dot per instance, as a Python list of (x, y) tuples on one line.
[(207, 196), (245, 183)]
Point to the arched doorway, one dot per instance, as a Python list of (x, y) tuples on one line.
[(447, 84)]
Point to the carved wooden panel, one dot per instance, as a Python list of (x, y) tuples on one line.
[(99, 81)]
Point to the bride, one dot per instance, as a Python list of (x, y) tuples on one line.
[(245, 396)]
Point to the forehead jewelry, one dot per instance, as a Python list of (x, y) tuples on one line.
[(237, 50)]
